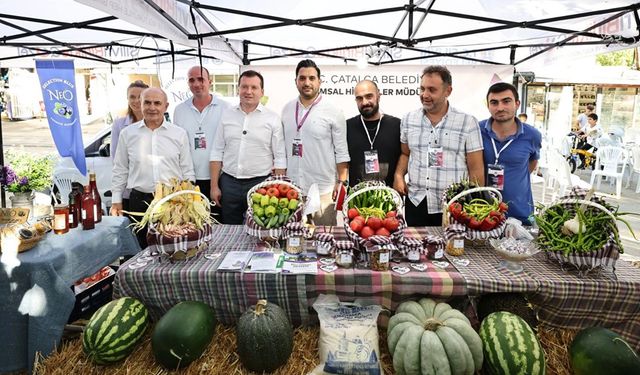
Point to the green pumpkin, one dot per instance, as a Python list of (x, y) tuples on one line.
[(597, 350), (183, 334), (426, 337), (264, 337)]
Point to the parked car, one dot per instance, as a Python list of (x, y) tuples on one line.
[(97, 154)]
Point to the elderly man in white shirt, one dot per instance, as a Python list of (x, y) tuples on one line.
[(249, 143), (149, 151), (315, 135)]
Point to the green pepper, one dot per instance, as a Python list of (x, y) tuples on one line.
[(270, 211), (257, 210), (258, 221), (264, 200), (283, 202), (293, 204), (256, 197), (273, 201)]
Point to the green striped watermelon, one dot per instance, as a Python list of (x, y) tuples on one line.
[(510, 345), (114, 330)]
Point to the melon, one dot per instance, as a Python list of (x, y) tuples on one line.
[(598, 350)]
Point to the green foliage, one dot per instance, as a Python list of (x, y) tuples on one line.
[(616, 58), (26, 172)]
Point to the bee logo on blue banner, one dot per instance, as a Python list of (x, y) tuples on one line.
[(58, 84)]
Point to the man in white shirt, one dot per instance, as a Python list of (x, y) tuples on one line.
[(248, 144), (149, 151), (200, 116), (315, 135)]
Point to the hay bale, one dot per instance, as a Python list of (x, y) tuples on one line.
[(220, 357)]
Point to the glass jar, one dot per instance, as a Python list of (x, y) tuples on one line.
[(61, 219), (380, 259), (455, 244), (344, 258), (434, 246), (324, 244)]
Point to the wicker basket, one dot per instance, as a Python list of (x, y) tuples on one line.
[(253, 229), (473, 234), (178, 247), (604, 257), (397, 236)]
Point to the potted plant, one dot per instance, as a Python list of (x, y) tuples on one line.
[(24, 173)]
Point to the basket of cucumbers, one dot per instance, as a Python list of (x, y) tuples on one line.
[(272, 204)]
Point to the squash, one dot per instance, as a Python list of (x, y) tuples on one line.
[(426, 337), (598, 350), (264, 337), (183, 334)]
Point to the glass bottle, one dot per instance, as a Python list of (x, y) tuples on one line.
[(97, 201), (87, 209), (61, 219), (74, 210)]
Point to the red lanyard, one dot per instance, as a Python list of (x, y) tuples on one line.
[(299, 123)]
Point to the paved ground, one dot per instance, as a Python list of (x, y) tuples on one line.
[(34, 136)]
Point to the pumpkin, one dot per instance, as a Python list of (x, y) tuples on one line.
[(426, 337), (264, 337)]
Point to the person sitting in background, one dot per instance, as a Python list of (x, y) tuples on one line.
[(134, 114), (589, 134), (523, 117)]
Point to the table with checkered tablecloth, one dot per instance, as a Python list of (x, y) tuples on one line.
[(561, 298)]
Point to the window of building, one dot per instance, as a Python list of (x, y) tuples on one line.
[(225, 84)]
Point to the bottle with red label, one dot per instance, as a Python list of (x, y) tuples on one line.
[(97, 201), (88, 207), (74, 210)]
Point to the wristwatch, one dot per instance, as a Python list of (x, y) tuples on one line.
[(344, 182)]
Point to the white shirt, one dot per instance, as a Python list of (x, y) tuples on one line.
[(324, 144), (249, 144), (187, 116), (146, 156), (592, 133)]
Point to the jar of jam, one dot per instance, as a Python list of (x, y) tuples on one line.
[(455, 239), (434, 246), (344, 254), (61, 219), (411, 248), (324, 244)]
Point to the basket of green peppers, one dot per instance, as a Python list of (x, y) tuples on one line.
[(273, 204)]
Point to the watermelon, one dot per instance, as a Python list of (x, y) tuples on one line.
[(510, 346), (183, 334), (598, 350), (114, 330)]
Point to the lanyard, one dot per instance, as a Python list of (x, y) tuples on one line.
[(371, 142), (200, 116), (495, 150), (435, 130), (299, 123)]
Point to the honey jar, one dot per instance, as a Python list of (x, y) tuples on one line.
[(61, 219)]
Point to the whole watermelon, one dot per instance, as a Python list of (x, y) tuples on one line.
[(510, 346), (598, 350), (183, 334), (114, 330)]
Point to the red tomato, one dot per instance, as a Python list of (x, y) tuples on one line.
[(391, 224), (273, 192), (360, 219), (503, 207), (383, 232), (284, 189), (292, 194), (352, 213), (374, 222), (367, 232), (262, 191), (391, 214), (356, 226)]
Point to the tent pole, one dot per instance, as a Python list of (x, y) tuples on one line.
[(3, 200)]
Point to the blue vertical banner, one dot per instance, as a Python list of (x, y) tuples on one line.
[(58, 84)]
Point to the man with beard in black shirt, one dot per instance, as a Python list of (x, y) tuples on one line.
[(373, 138)]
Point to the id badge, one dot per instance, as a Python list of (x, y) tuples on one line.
[(200, 141), (296, 150), (495, 175), (435, 157), (371, 164)]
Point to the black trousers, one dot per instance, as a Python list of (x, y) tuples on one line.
[(417, 216), (205, 188), (139, 202), (234, 196)]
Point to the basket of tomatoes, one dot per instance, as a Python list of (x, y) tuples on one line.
[(272, 204), (373, 209), (480, 209)]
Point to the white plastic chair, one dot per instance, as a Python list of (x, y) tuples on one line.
[(635, 166), (610, 162), (559, 177), (64, 180)]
